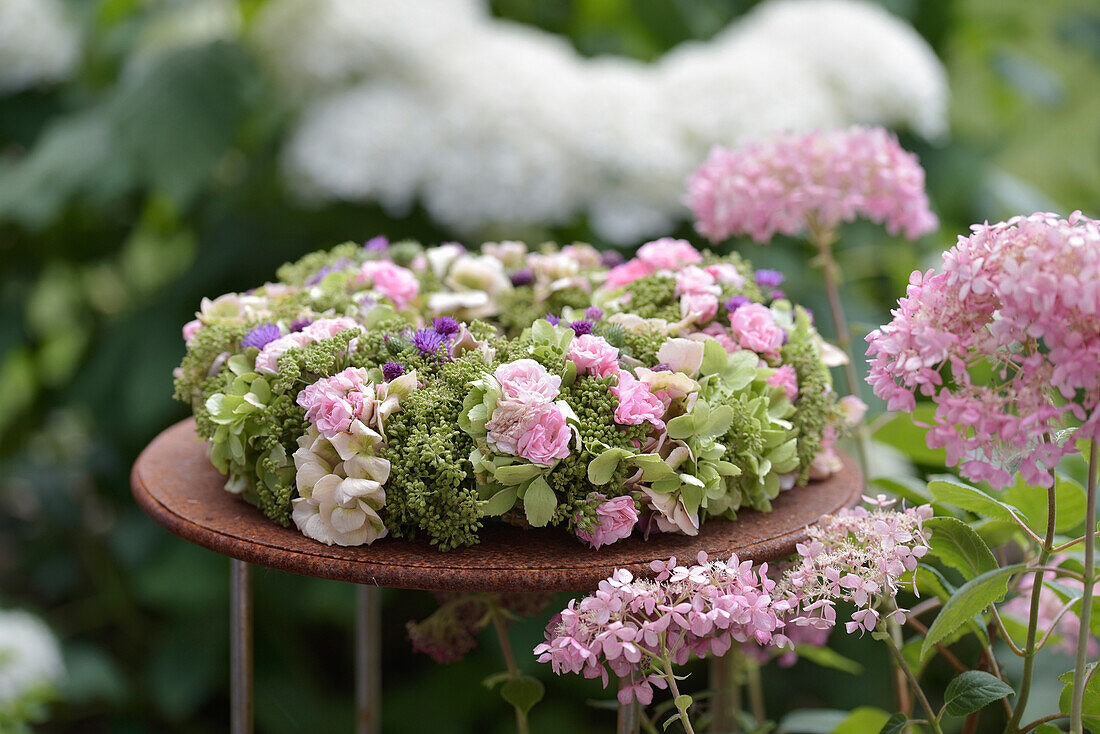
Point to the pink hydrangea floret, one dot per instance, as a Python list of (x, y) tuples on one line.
[(616, 519), (593, 355), (333, 403), (396, 283), (754, 328), (637, 403)]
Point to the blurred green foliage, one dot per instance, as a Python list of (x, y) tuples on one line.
[(125, 197)]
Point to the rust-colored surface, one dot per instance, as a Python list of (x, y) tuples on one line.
[(177, 486)]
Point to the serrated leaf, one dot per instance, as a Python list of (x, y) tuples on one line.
[(970, 599), (954, 492), (523, 692), (539, 503), (896, 724), (956, 544), (973, 690)]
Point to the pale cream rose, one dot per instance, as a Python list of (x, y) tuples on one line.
[(672, 516)]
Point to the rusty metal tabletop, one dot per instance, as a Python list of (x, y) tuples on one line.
[(175, 484)]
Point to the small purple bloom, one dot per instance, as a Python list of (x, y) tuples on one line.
[(611, 258), (786, 336), (582, 327), (319, 275), (445, 325), (662, 367), (592, 313), (777, 294), (298, 324), (428, 341), (737, 302), (260, 336), (392, 370), (523, 277), (769, 278), (554, 320), (377, 244)]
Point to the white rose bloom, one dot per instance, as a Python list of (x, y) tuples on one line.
[(29, 655), (478, 273), (487, 122), (682, 355)]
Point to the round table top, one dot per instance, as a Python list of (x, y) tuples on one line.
[(175, 484)]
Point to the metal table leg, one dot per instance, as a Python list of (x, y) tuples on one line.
[(368, 660), (629, 721), (240, 647)]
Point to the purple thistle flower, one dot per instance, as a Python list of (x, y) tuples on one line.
[(554, 320), (582, 327), (523, 277), (260, 336), (777, 294), (392, 370), (769, 278), (611, 258), (429, 341), (377, 244), (298, 324), (737, 302), (592, 313), (446, 325)]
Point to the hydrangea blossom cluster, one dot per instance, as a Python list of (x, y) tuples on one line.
[(1005, 340), (484, 121), (638, 628), (790, 182), (362, 396)]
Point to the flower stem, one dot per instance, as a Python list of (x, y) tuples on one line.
[(901, 690), (1033, 615), (509, 661), (823, 240), (725, 706), (1076, 723), (933, 720), (755, 687), (670, 677)]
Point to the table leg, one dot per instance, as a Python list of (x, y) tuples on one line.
[(629, 721), (240, 647), (368, 659)]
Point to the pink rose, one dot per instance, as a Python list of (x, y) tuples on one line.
[(699, 307), (693, 279), (593, 356), (616, 519), (786, 379), (507, 425), (267, 360), (668, 254), (754, 328), (726, 274), (393, 281), (332, 403), (721, 335), (190, 329), (546, 438), (328, 328), (627, 273), (637, 403), (526, 381)]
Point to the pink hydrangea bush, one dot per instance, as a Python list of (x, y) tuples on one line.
[(1005, 340), (789, 182)]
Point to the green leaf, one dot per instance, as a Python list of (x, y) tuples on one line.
[(827, 657), (930, 580), (492, 681), (602, 468), (539, 503), (973, 690), (523, 692), (903, 433), (863, 720), (682, 427), (970, 599), (714, 358), (954, 492), (896, 724), (1032, 502), (500, 502), (517, 473), (682, 702), (957, 545), (1090, 708)]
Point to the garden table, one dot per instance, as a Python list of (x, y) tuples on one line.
[(176, 485)]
